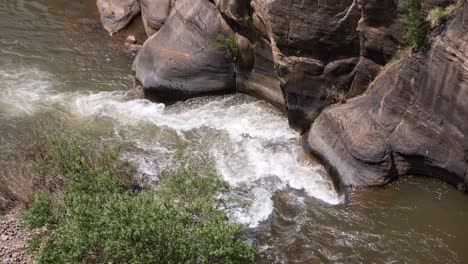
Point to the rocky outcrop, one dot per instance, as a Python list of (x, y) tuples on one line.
[(412, 120), (116, 14), (313, 60), (291, 43), (185, 59), (303, 56), (154, 13)]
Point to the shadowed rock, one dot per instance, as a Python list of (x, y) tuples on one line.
[(116, 14), (154, 13), (286, 40), (413, 120), (184, 59)]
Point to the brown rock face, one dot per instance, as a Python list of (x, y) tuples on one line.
[(183, 59), (413, 120), (116, 14), (306, 56), (303, 56), (310, 54), (154, 13), (289, 46)]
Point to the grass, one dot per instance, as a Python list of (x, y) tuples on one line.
[(228, 44), (21, 175), (438, 15), (94, 215)]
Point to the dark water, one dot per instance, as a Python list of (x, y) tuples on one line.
[(58, 68)]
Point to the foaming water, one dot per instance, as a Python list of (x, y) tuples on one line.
[(22, 90), (251, 144)]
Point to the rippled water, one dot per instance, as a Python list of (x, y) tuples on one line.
[(58, 66)]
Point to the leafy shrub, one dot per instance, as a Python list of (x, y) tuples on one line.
[(229, 44), (34, 244), (39, 213), (415, 28), (97, 217)]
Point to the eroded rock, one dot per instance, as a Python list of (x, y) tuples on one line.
[(413, 120), (155, 13), (183, 59), (351, 39), (116, 14)]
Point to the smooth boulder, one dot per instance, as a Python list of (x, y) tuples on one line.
[(185, 58)]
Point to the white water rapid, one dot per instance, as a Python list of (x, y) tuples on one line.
[(250, 142)]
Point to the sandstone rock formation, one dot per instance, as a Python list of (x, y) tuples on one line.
[(116, 14), (304, 56), (154, 13), (412, 120), (183, 59), (307, 55)]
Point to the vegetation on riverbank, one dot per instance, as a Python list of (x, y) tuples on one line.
[(228, 44), (94, 213)]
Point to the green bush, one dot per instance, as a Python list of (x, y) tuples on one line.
[(39, 213), (415, 34), (97, 217), (229, 44)]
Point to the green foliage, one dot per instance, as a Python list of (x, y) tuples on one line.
[(34, 244), (247, 19), (229, 44), (415, 27), (39, 213), (98, 218)]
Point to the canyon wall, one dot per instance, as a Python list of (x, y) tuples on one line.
[(412, 120), (318, 62)]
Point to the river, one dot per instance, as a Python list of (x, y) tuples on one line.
[(58, 68)]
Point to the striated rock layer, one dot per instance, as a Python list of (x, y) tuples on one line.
[(412, 120)]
